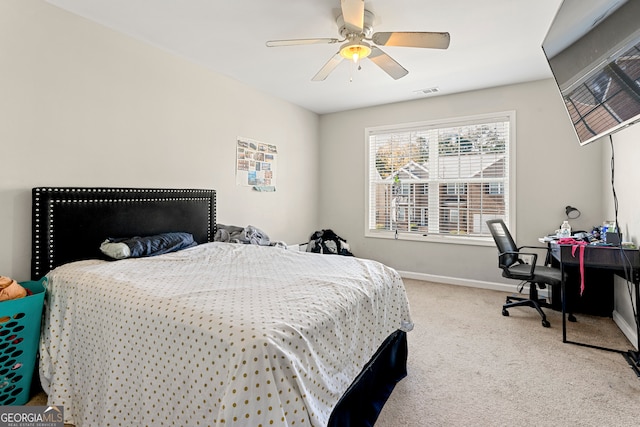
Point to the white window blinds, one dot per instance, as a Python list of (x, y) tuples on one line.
[(445, 178)]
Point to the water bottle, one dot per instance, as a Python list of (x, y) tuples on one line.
[(565, 229), (603, 231)]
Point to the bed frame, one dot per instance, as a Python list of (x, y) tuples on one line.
[(68, 224)]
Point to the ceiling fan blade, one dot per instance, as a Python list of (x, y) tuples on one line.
[(328, 68), (296, 42), (353, 14), (387, 63), (413, 39)]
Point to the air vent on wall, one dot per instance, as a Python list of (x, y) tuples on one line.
[(427, 91)]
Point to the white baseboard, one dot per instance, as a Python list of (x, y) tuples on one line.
[(628, 330), (505, 287)]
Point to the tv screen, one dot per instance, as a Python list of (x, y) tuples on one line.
[(593, 50)]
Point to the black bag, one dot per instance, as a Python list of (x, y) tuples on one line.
[(328, 242)]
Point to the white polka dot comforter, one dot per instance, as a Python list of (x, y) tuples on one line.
[(215, 335)]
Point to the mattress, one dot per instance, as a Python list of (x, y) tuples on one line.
[(217, 334)]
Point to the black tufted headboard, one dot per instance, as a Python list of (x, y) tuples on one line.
[(69, 223)]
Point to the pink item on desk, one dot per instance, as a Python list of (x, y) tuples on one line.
[(575, 244)]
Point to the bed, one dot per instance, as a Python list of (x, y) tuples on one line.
[(214, 334)]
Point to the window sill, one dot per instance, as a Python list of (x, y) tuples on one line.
[(471, 241)]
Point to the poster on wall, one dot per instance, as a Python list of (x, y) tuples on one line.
[(256, 164)]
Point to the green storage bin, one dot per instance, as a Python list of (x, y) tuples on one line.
[(20, 321)]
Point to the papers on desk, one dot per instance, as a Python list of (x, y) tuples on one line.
[(554, 237)]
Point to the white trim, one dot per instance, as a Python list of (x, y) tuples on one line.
[(512, 195), (504, 287), (433, 238), (403, 127), (628, 330)]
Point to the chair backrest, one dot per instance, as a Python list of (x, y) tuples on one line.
[(503, 239)]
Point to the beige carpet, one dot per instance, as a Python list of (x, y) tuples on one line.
[(470, 366)]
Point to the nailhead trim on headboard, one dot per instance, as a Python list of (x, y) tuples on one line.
[(43, 220)]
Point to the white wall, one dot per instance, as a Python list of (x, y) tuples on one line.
[(82, 105), (552, 171), (626, 150)]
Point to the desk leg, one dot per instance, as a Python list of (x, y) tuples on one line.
[(633, 357), (563, 297), (637, 283)]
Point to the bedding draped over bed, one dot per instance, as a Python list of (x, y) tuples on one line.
[(218, 334)]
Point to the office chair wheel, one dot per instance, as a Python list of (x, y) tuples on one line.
[(546, 323), (572, 318), (505, 312)]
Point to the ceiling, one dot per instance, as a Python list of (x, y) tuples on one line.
[(493, 43)]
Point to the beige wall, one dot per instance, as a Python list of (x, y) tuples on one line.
[(552, 171), (81, 105)]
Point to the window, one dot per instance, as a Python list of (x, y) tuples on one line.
[(439, 180), (494, 188), (455, 189)]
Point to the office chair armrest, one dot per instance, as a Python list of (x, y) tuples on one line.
[(505, 260), (543, 248), (547, 249)]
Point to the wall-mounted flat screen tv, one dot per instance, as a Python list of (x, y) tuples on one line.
[(593, 50)]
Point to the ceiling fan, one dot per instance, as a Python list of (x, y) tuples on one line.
[(359, 41)]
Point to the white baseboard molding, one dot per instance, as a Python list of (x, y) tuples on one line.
[(628, 330), (504, 287)]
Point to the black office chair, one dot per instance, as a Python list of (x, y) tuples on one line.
[(522, 266)]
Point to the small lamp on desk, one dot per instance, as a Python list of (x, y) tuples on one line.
[(572, 213)]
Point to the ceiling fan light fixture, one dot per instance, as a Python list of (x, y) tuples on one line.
[(355, 25), (355, 50)]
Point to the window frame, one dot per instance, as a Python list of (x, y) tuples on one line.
[(510, 217), (494, 188)]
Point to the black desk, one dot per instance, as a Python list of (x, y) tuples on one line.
[(623, 262)]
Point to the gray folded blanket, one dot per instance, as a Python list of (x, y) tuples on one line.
[(248, 235)]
